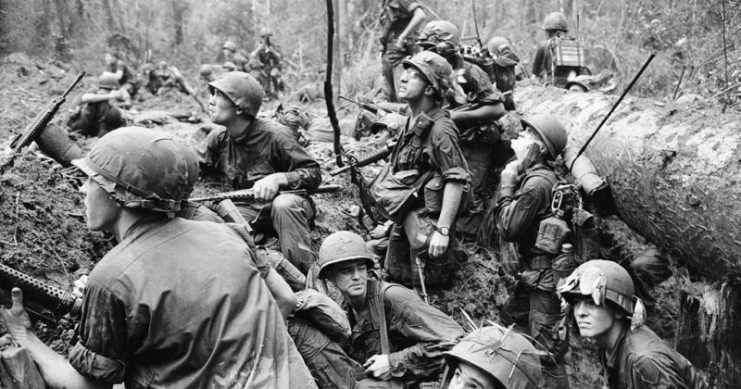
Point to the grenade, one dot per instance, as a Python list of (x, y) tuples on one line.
[(565, 263), (552, 232)]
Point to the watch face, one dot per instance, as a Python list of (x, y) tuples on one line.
[(444, 230)]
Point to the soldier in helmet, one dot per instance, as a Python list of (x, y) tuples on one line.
[(556, 28), (424, 187), (176, 303), (395, 335), (267, 55), (250, 152), (125, 77), (606, 310), (401, 19), (493, 358), (505, 73), (99, 114), (232, 55), (523, 203), (474, 106)]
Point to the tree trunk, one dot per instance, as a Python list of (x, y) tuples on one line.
[(674, 173), (178, 13)]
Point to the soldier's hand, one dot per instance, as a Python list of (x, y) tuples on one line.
[(267, 188), (378, 366), (438, 244), (16, 318), (510, 174)]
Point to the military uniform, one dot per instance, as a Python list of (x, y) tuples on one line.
[(427, 156), (418, 333), (542, 65), (96, 119), (147, 321), (534, 305), (395, 17), (128, 80), (480, 142), (641, 360), (266, 148)]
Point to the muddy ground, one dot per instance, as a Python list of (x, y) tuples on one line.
[(43, 233)]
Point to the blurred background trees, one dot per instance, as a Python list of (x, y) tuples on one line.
[(617, 34)]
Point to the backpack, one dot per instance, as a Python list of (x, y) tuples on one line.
[(566, 52)]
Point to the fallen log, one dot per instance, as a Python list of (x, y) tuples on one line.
[(674, 170)]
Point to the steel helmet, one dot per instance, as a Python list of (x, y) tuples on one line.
[(265, 32), (504, 354), (206, 70), (392, 121), (108, 80), (551, 131), (142, 168), (440, 31), (555, 21), (229, 45), (343, 246), (602, 280), (242, 89), (435, 68)]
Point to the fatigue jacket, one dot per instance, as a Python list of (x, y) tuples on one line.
[(180, 304), (395, 17), (418, 333), (265, 148), (641, 360)]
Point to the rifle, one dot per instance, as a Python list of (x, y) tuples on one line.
[(372, 108), (38, 124), (249, 194), (384, 152), (41, 300), (421, 273)]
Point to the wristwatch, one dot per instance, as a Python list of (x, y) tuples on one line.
[(444, 231)]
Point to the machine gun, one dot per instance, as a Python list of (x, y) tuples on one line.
[(38, 124), (249, 194), (41, 300)]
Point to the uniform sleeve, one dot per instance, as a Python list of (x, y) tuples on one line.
[(407, 7), (102, 348), (487, 94), (448, 156), (655, 372), (539, 61), (433, 331), (302, 171), (515, 216), (208, 149)]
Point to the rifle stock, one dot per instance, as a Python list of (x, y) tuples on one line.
[(249, 194)]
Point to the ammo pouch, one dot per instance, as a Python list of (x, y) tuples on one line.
[(551, 234), (433, 192), (398, 193)]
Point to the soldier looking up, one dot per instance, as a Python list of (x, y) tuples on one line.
[(176, 303), (424, 187), (401, 19), (249, 152), (493, 358), (606, 309), (524, 202), (395, 335)]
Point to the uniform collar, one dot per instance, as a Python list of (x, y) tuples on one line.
[(611, 356)]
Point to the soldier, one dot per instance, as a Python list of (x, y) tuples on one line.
[(606, 309), (398, 337), (425, 185), (505, 73), (124, 75), (491, 358), (268, 56), (176, 303), (556, 28), (524, 201), (474, 107), (401, 19), (231, 54), (249, 152), (99, 115)]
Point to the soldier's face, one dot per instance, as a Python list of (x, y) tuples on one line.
[(101, 212), (470, 377), (222, 110), (519, 145), (412, 84), (351, 278), (594, 320)]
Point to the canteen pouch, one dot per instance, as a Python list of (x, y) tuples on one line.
[(552, 232)]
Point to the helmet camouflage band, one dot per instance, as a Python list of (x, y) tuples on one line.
[(142, 168)]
